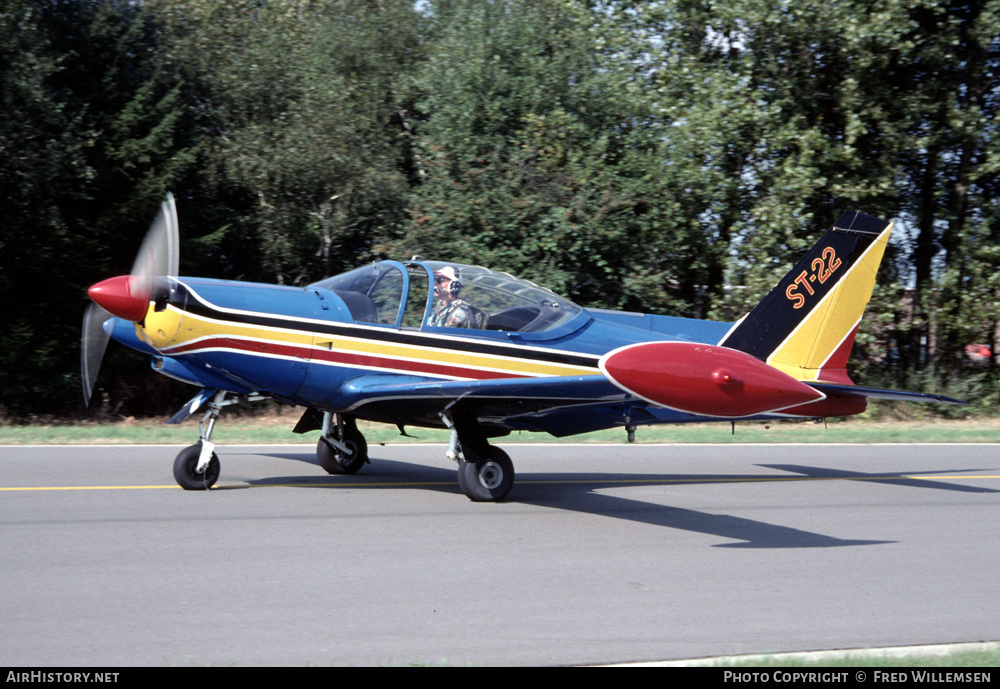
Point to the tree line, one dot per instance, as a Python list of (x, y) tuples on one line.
[(671, 156)]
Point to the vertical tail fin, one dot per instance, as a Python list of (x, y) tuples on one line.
[(806, 324)]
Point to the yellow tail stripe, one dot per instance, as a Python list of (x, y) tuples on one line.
[(811, 344)]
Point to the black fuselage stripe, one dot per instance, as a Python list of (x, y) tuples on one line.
[(196, 306)]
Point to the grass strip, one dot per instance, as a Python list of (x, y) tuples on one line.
[(277, 428)]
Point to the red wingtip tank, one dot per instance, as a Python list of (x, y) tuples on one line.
[(706, 380)]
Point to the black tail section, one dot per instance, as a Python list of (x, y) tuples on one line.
[(805, 326)]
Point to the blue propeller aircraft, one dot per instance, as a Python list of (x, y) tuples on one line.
[(437, 344)]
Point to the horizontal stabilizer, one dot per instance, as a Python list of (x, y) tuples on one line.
[(880, 394)]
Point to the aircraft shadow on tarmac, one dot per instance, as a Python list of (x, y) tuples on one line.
[(909, 478), (579, 492)]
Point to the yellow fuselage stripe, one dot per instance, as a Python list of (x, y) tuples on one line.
[(173, 329)]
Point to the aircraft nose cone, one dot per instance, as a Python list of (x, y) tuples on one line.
[(122, 296)]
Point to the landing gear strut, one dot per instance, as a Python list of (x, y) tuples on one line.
[(342, 448), (197, 466)]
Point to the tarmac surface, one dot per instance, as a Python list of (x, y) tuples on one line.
[(601, 554)]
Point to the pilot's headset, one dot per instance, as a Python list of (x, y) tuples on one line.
[(456, 280)]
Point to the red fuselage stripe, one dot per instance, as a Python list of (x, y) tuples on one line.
[(341, 358)]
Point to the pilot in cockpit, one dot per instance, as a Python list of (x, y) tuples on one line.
[(450, 310)]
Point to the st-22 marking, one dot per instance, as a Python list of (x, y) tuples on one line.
[(823, 267)]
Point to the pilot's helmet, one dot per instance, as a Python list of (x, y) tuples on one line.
[(452, 274)]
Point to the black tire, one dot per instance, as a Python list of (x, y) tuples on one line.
[(488, 480), (184, 469), (336, 462)]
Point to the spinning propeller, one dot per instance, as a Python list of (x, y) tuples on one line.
[(128, 296)]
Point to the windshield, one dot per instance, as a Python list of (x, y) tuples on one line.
[(372, 293)]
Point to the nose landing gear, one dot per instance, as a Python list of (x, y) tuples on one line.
[(197, 466)]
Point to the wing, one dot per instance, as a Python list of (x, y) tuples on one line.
[(558, 405)]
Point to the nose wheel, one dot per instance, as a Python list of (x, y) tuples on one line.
[(187, 473)]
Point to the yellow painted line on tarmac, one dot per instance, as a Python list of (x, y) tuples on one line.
[(565, 482), (230, 486), (938, 478), (747, 479), (11, 489)]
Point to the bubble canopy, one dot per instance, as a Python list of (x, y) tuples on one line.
[(401, 295)]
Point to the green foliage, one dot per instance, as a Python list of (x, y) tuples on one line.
[(540, 153), (304, 103), (669, 156), (89, 140)]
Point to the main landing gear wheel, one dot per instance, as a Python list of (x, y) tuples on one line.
[(488, 480), (336, 461), (186, 469)]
